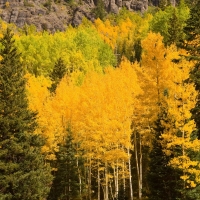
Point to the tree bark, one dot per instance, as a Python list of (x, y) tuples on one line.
[(130, 175)]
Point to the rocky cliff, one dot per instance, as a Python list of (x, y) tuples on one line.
[(48, 15)]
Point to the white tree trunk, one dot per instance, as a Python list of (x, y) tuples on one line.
[(117, 182), (140, 179), (98, 182), (130, 175), (138, 164), (89, 179), (80, 180), (106, 177)]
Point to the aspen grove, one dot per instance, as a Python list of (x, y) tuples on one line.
[(116, 108)]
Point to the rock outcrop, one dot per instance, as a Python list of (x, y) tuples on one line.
[(47, 15), (53, 18)]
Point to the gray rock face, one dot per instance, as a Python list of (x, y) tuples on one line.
[(139, 5), (51, 18), (43, 15), (46, 15), (80, 12)]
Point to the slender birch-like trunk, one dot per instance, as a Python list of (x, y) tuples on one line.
[(80, 180), (124, 181), (106, 177), (98, 176), (173, 2), (130, 175), (138, 164), (89, 179), (112, 196), (117, 182), (140, 186)]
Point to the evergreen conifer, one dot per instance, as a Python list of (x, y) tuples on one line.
[(175, 29), (192, 45), (99, 10), (23, 173), (66, 183), (163, 181), (192, 31), (57, 74)]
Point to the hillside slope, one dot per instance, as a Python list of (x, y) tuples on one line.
[(48, 15)]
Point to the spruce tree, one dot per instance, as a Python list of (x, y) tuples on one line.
[(138, 50), (57, 74), (192, 45), (99, 10), (23, 173), (192, 31), (163, 181), (175, 30), (66, 182), (164, 3)]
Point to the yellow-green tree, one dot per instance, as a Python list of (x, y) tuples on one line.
[(80, 48)]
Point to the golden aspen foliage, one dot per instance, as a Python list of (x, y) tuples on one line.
[(181, 99), (123, 32), (7, 4), (167, 87), (107, 103), (157, 63), (66, 101), (48, 120), (119, 36), (55, 112), (3, 27), (145, 112), (156, 66), (111, 111), (108, 32)]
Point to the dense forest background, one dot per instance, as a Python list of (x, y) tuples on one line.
[(107, 110)]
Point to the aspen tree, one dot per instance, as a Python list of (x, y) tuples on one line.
[(124, 33), (177, 97), (48, 120), (105, 121), (182, 98), (154, 78)]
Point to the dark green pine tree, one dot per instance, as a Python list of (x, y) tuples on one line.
[(164, 3), (192, 30), (57, 74), (66, 182), (192, 45), (175, 30), (138, 50), (23, 173), (195, 76), (193, 193), (99, 10), (163, 181)]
